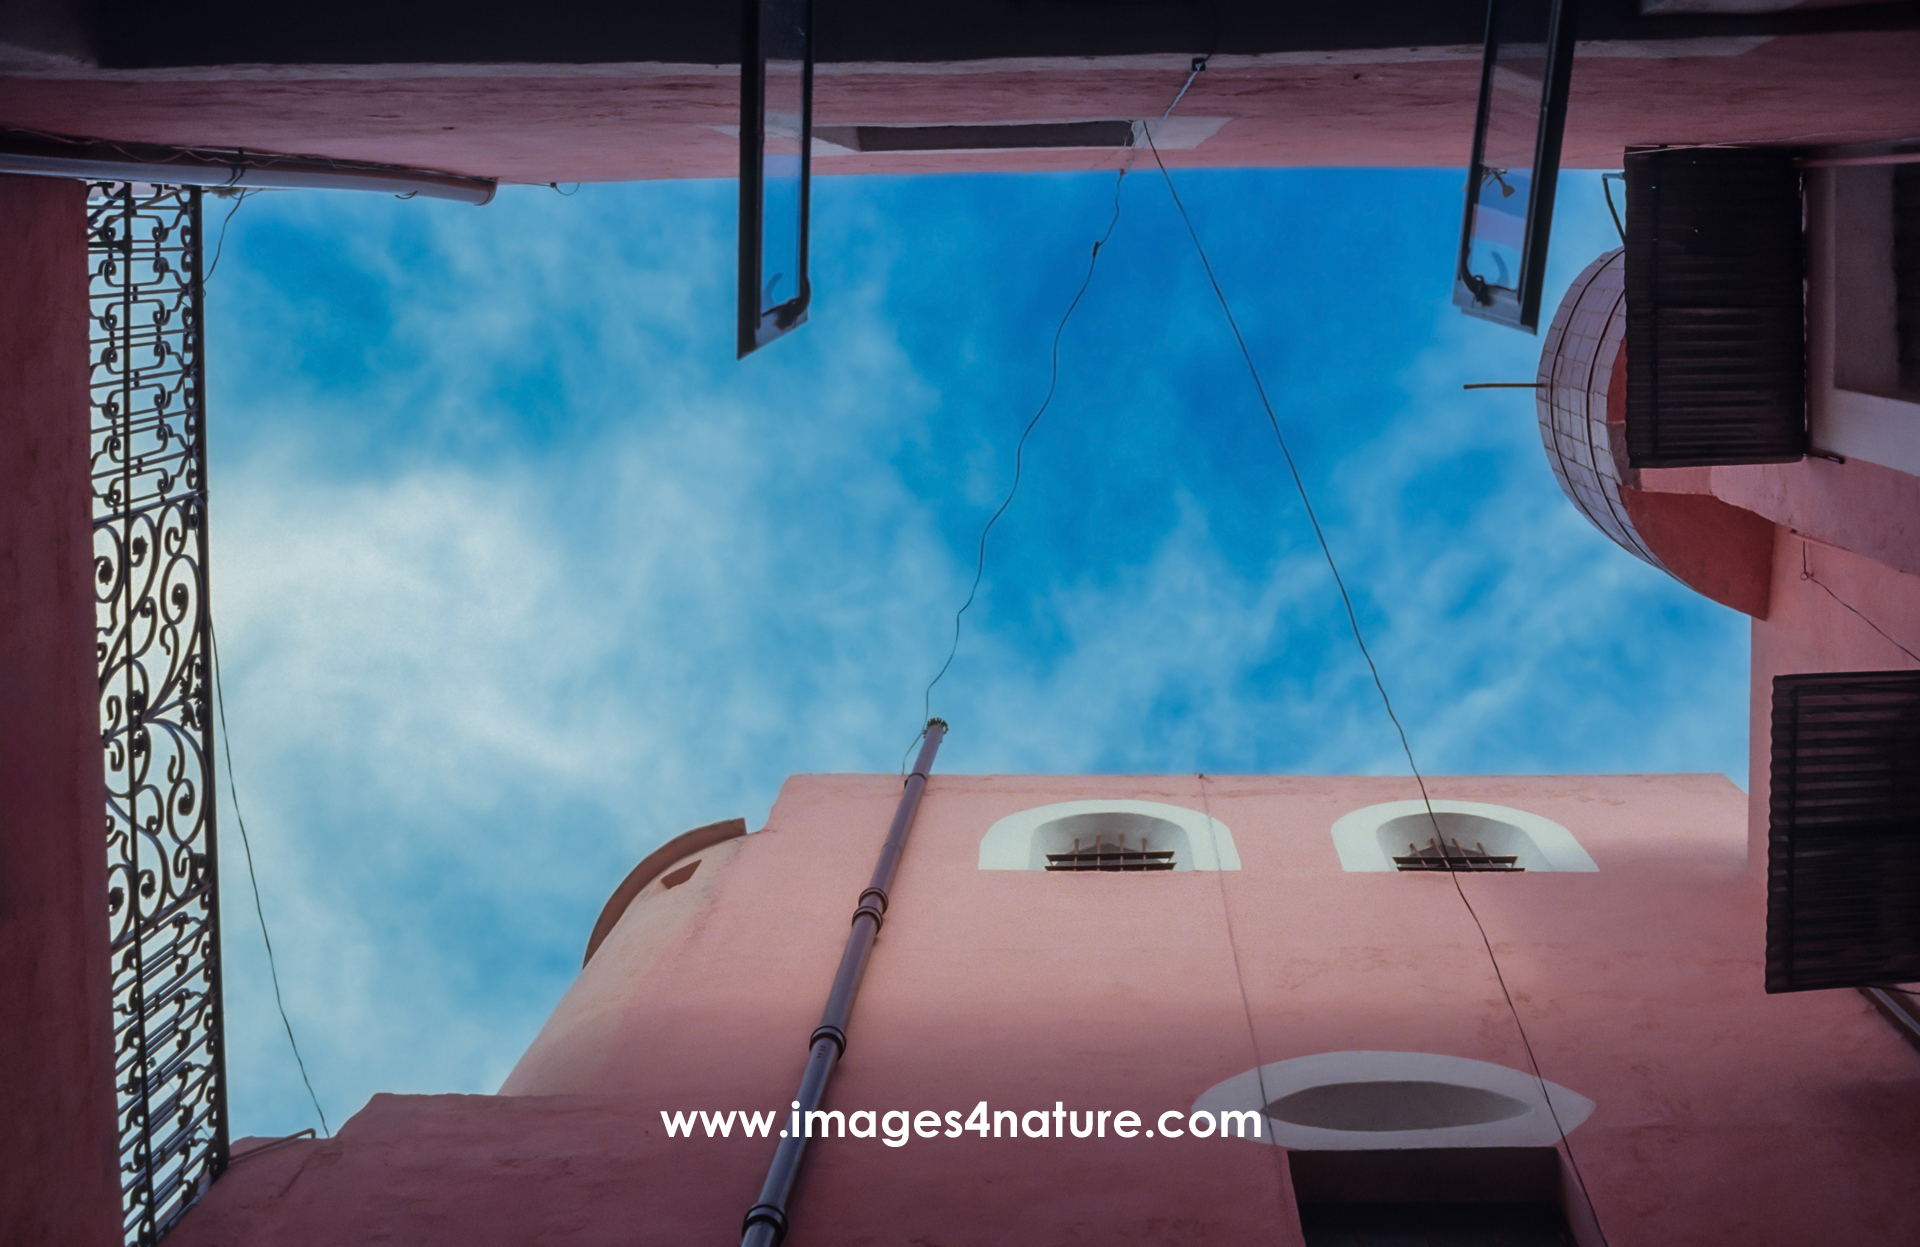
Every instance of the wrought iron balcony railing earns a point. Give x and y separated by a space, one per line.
150 558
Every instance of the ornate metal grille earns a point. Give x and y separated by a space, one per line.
1449 855
1100 855
150 556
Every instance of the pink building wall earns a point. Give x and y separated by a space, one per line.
59 1154
1367 107
1807 629
1722 1115
1760 538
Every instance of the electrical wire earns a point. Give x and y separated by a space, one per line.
268 1147
918 737
220 245
1353 621
1019 449
1246 1001
1293 468
226 742
1806 573
1053 382
1608 192
1206 802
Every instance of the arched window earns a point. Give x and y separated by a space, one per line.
1399 835
1119 836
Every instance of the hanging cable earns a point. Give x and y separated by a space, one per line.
1611 211
1246 1002
1293 469
226 743
1053 383
1353 621
239 197
1806 573
1019 449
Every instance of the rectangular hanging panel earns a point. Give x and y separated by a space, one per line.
1524 76
1843 841
1716 322
776 129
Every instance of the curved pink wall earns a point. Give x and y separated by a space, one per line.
1716 549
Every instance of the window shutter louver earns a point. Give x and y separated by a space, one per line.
1716 325
1843 853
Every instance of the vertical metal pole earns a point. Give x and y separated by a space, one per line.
196 255
766 1222
135 696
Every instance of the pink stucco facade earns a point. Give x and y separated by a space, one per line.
1808 629
1823 552
59 1161
1720 1114
1394 106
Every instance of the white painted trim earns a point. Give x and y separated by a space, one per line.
1177 133
1851 349
1356 836
1008 843
1256 1088
1873 427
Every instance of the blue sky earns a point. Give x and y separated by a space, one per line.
518 572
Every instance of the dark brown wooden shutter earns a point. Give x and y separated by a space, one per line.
1716 325
1843 851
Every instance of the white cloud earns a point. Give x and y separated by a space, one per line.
474 675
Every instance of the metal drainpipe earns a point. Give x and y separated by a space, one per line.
766 1222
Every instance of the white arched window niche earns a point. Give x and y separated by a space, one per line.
1371 838
1367 1101
1022 841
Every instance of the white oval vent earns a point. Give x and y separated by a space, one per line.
1378 1106
1365 1101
